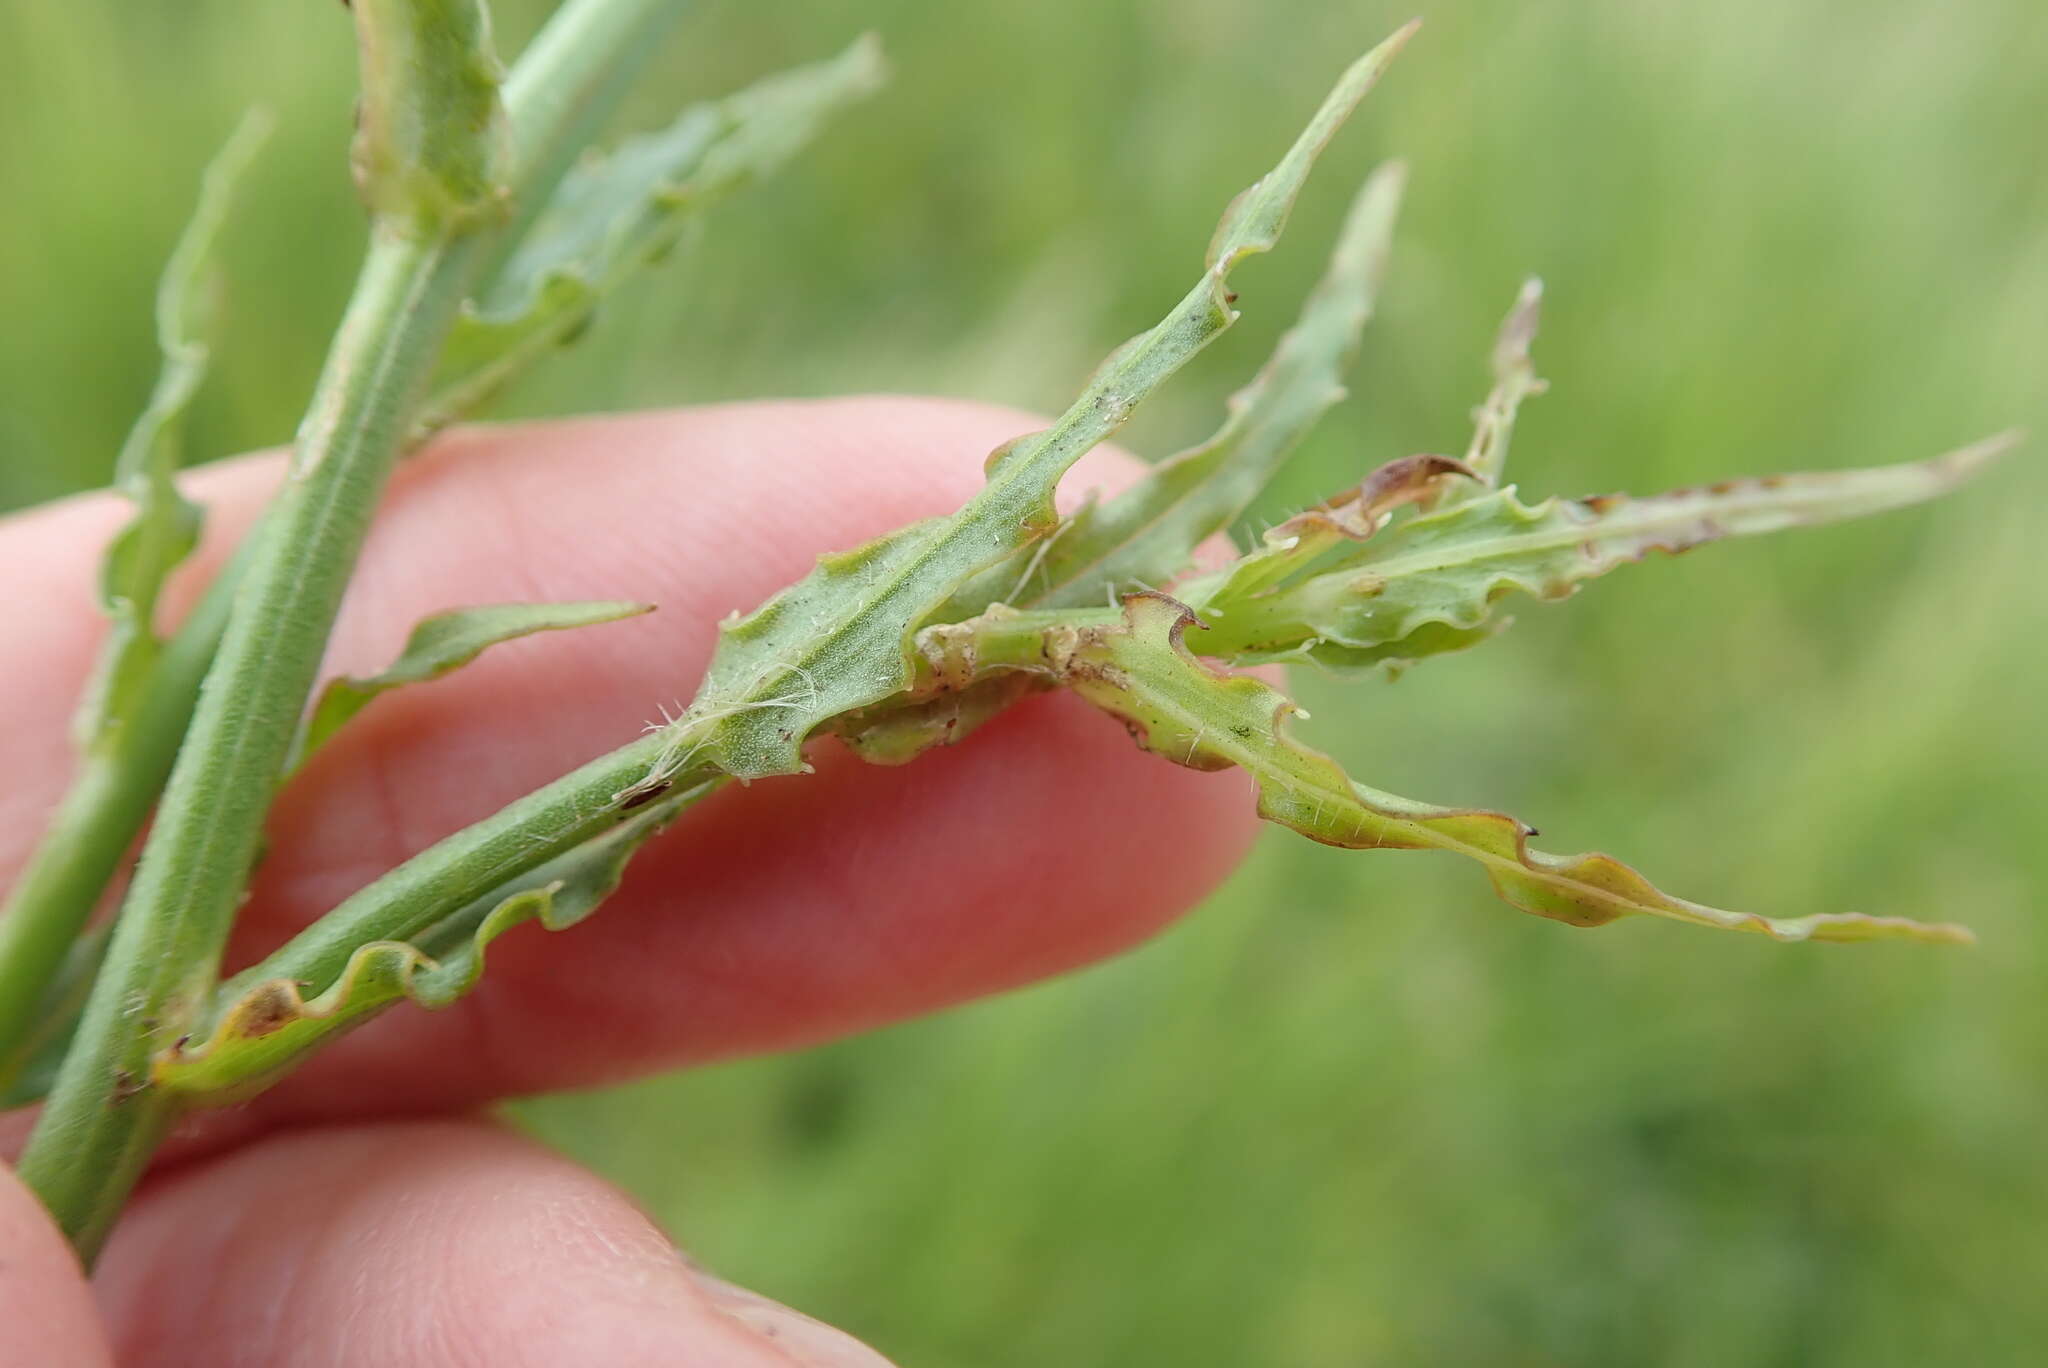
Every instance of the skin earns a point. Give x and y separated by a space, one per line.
363 1211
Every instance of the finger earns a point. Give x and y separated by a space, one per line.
425 1243
794 910
46 1310
703 510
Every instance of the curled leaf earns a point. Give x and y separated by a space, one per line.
839 640
897 731
1178 707
1442 573
1305 538
612 215
264 1027
165 525
442 644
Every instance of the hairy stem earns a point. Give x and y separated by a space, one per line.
443 879
96 822
50 904
564 86
102 1121
271 1025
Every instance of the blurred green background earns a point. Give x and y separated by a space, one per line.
1354 1111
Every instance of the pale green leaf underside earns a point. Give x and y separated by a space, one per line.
165 525
441 644
1182 709
1432 582
1339 584
1302 539
839 639
1307 537
612 215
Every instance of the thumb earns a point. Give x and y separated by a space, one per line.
420 1244
45 1305
809 1342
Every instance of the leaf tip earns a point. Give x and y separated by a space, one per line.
866 59
1391 174
1856 926
257 123
1518 330
1968 462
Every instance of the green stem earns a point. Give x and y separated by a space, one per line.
232 1062
444 878
39 1054
96 822
437 883
566 83
102 1120
55 896
441 880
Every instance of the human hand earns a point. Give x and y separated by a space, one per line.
361 1213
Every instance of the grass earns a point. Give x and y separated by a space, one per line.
1354 1111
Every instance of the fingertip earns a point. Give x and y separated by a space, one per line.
46 1305
806 1342
424 1243
783 914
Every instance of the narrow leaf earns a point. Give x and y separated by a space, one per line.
839 639
1306 538
611 216
1148 534
269 1025
1514 379
165 525
1180 708
442 644
1432 582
